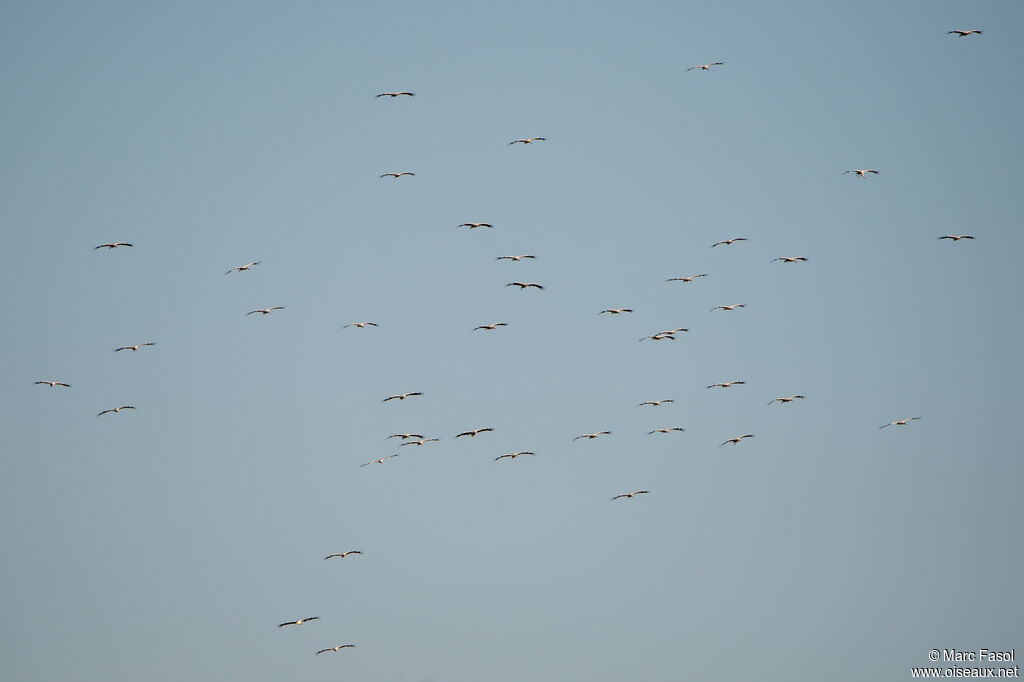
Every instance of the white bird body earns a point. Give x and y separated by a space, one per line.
473 226
378 461
516 259
705 67
111 245
729 242
655 403
725 384
473 432
396 175
790 259
340 646
421 441
616 311
115 410
688 278
860 172
300 621
51 384
899 422
960 32
956 237
492 326
342 555
360 325
786 399
524 285
527 140
266 311
396 94
667 429
592 436
134 348
242 268
737 439
732 307
401 396
630 496
512 455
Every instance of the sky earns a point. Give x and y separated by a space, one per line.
169 541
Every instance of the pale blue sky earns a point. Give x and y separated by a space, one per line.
166 543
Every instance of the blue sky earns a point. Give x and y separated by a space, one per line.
169 541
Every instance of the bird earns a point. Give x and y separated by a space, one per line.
116 409
527 140
421 441
655 403
592 436
51 384
688 278
671 332
300 621
666 430
340 646
401 396
378 461
491 326
956 237
396 94
705 67
786 399
728 242
660 336
396 175
342 555
111 245
473 432
242 268
134 348
788 259
860 172
404 436
361 325
265 311
737 439
524 285
515 259
734 306
473 226
630 495
899 422
964 32
512 455
616 311
725 384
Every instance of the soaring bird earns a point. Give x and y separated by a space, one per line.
396 94
135 347
361 325
473 226
473 432
964 32
688 278
492 326
242 268
342 555
705 67
592 436
400 396
630 495
299 621
616 311
396 175
656 402
729 242
51 384
527 140
404 436
666 430
111 245
265 311
115 409
515 259
789 259
737 439
734 306
378 461
786 399
421 441
899 422
512 455
956 237
342 646
860 172
524 285
660 336
671 332
725 384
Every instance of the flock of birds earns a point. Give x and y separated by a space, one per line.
419 440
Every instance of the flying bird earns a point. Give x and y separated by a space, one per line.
473 432
860 172
340 646
299 621
396 175
964 32
342 555
51 384
688 278
111 245
527 140
524 285
737 439
705 67
242 268
515 259
512 455
789 259
421 441
660 336
265 311
361 325
491 326
729 242
378 461
956 237
401 396
786 399
396 94
656 402
666 430
616 311
115 409
630 495
734 306
134 348
473 226
899 422
725 384
404 436
592 436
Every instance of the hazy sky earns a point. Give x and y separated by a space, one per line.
167 542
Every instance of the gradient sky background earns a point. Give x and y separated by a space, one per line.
167 543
